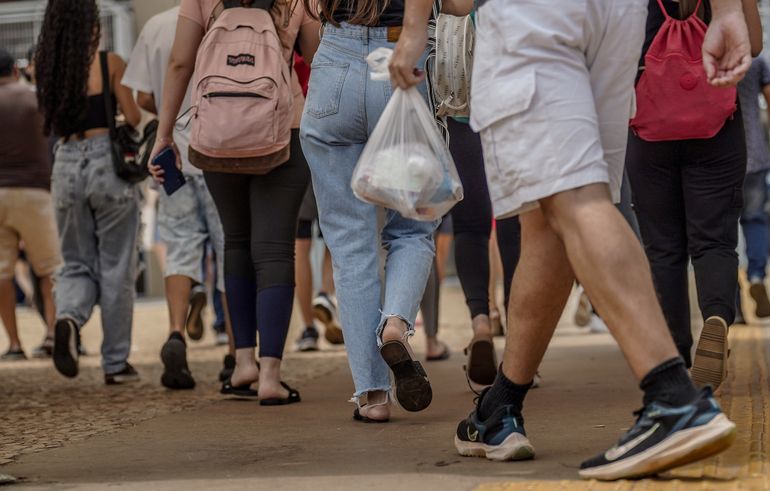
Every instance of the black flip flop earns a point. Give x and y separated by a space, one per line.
445 354
482 362
244 390
280 401
359 417
413 389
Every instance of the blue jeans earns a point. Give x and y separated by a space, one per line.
187 220
342 108
98 218
754 223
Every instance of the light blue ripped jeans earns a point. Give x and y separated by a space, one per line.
98 218
342 108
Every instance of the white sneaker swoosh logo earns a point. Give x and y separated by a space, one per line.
472 436
616 452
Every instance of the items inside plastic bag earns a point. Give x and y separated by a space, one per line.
406 165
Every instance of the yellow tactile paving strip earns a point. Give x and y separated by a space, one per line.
745 397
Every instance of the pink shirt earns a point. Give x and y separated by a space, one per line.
200 12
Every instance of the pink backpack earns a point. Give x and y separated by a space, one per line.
242 98
674 99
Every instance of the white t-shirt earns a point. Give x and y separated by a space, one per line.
146 72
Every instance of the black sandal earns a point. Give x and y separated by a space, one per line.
482 362
445 354
280 401
413 390
244 390
364 419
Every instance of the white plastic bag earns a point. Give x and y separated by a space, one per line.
406 165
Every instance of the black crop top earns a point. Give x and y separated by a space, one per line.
392 16
96 113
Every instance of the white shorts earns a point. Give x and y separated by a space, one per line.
552 94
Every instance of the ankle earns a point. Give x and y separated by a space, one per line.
481 325
395 329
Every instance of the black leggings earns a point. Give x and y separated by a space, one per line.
472 222
259 218
688 197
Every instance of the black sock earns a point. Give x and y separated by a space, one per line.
176 335
503 393
669 383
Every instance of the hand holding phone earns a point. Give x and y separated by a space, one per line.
173 179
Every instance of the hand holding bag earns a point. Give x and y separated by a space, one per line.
405 165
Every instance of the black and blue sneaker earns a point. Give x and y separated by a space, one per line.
500 437
665 437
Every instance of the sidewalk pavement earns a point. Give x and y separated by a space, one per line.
62 434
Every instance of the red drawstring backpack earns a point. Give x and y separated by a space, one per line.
674 101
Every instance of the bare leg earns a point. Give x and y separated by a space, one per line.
327 278
303 277
495 272
46 291
443 248
604 254
541 287
178 298
8 313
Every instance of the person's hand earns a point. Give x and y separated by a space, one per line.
726 48
409 49
161 144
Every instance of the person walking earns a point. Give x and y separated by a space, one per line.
96 211
258 211
187 220
754 220
26 209
688 199
552 108
378 316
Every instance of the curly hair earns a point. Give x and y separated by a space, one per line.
65 50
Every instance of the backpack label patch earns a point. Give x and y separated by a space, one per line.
241 59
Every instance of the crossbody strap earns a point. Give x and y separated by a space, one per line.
106 93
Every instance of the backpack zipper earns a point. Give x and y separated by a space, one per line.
233 94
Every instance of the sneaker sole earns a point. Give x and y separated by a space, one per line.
174 361
681 448
194 324
710 363
332 330
122 379
65 349
515 447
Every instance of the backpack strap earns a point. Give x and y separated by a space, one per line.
106 93
665 12
255 4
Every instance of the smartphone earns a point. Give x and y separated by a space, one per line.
173 179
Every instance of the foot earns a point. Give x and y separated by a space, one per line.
308 341
496 321
194 324
759 294
499 437
710 363
376 409
66 347
412 387
325 310
45 350
244 374
437 350
663 438
13 354
176 373
597 325
481 365
228 366
584 310
125 376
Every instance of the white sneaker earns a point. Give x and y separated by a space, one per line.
597 325
325 310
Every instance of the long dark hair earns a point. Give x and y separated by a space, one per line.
65 50
363 12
